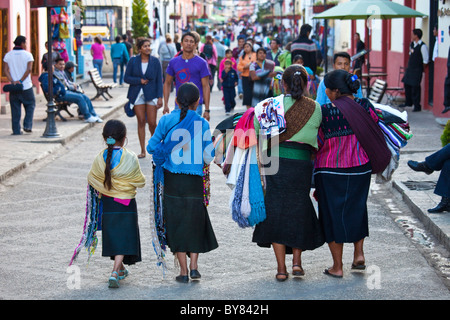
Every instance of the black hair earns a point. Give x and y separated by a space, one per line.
118 38
297 57
19 40
251 46
296 79
305 29
58 60
187 95
141 41
116 130
418 33
341 55
190 34
228 51
261 49
343 81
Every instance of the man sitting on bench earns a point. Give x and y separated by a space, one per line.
61 94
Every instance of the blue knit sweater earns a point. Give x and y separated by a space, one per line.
190 158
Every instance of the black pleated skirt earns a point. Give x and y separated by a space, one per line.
187 221
342 196
120 231
291 219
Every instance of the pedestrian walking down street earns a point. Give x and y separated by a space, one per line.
17 68
98 54
210 52
189 67
180 168
248 57
111 205
349 141
120 58
438 161
418 59
166 52
229 82
291 225
145 93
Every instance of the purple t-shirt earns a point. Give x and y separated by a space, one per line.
192 70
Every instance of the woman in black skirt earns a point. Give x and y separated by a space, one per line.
343 171
189 230
291 225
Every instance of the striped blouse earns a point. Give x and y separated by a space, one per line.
338 145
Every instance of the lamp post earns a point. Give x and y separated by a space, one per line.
50 125
281 11
165 4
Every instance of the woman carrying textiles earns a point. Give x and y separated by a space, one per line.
111 206
291 225
181 149
351 148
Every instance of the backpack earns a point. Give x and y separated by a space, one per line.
208 51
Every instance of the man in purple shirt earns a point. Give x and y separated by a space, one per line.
188 67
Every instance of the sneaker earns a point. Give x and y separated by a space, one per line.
99 120
91 119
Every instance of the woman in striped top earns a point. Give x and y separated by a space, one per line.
342 174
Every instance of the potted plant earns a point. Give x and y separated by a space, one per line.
174 16
319 6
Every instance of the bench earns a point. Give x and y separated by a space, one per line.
377 91
101 87
60 106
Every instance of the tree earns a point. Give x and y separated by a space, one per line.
139 19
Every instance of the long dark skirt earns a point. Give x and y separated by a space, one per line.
120 231
342 196
291 218
247 88
187 221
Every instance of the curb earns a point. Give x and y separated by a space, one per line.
59 142
428 221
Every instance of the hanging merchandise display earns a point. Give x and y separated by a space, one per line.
60 31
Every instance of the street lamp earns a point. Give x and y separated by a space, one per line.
50 125
165 4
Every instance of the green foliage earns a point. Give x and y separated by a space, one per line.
139 19
445 138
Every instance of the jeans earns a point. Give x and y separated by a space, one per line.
16 100
118 63
98 64
83 102
440 161
229 94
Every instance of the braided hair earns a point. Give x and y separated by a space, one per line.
343 81
296 78
114 131
187 95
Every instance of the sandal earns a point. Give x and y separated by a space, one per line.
141 156
125 274
113 282
285 275
300 272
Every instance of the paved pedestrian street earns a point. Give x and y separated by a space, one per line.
42 213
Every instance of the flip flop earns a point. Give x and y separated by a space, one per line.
286 275
359 266
141 156
300 272
331 275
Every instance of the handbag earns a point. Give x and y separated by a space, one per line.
54 19
14 88
59 44
64 31
129 112
63 16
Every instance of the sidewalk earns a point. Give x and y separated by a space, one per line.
18 152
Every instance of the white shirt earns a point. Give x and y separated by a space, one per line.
436 49
17 61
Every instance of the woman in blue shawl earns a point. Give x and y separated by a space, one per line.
182 149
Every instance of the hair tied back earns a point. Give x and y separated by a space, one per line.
110 141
